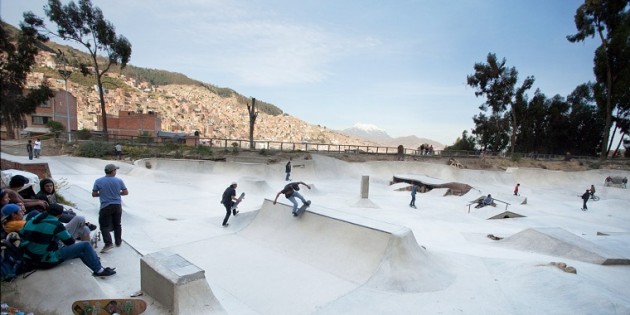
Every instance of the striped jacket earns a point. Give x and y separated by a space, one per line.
40 240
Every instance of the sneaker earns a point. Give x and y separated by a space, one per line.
235 212
105 273
118 244
295 214
107 247
91 226
226 225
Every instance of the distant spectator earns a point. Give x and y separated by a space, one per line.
516 189
118 151
29 149
37 148
624 181
288 170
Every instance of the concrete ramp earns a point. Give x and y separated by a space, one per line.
357 249
559 242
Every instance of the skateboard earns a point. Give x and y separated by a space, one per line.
302 208
240 198
109 306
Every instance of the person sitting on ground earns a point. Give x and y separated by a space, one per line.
47 193
13 217
15 197
485 202
290 192
41 239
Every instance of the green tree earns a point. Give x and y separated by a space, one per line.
465 143
497 83
16 61
609 21
87 26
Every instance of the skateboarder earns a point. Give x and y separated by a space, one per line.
228 199
414 189
288 170
585 197
290 192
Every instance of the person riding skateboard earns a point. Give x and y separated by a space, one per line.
585 197
290 192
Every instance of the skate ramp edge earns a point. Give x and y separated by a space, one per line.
559 242
364 251
177 284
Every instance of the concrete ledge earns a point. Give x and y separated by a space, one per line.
177 284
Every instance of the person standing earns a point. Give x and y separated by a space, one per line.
290 192
118 151
29 149
288 170
516 189
37 148
228 200
109 189
593 191
585 197
41 239
414 189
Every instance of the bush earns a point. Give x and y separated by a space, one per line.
84 134
94 149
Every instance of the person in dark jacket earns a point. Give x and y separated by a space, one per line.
288 170
228 199
290 192
47 193
41 238
585 197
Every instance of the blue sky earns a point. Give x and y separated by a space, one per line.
398 65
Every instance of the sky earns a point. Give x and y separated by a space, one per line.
398 65
354 255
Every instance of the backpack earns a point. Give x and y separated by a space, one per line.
11 262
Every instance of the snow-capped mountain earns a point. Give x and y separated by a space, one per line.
378 135
368 132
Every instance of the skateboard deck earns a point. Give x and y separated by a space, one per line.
109 306
303 208
240 198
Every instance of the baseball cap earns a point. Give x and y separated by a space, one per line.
8 210
234 183
110 168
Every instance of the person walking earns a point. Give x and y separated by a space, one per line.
516 189
288 170
414 189
228 200
585 197
42 238
593 191
118 151
29 149
290 192
37 148
109 189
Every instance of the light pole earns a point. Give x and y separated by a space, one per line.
65 74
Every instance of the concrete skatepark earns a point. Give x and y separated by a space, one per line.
347 254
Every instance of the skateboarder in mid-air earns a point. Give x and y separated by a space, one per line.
290 192
228 200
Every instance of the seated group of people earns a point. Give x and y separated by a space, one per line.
39 220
